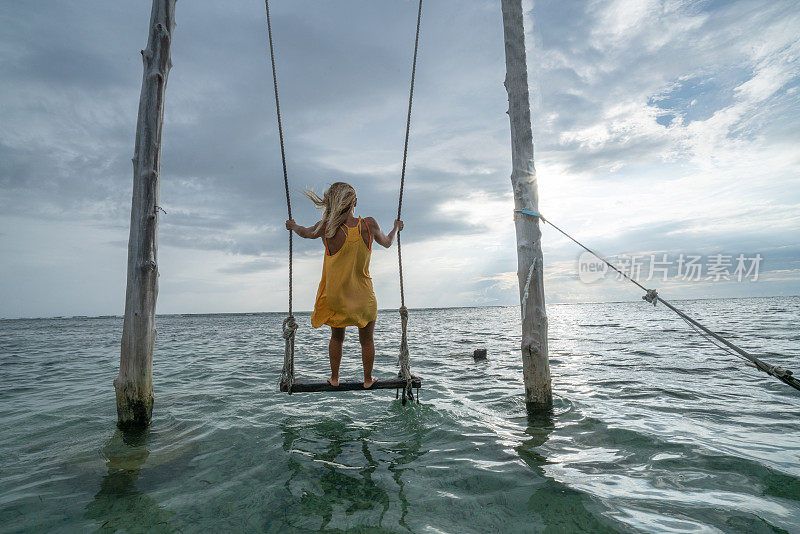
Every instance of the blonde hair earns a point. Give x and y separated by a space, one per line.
335 204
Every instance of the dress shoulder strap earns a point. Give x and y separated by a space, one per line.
369 235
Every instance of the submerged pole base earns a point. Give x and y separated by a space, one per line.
539 403
134 407
535 408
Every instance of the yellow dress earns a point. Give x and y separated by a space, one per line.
345 296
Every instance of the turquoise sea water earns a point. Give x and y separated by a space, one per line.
653 430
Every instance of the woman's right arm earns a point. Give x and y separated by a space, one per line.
381 238
311 232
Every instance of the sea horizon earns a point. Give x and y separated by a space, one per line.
421 308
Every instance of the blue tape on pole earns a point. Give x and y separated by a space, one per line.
528 212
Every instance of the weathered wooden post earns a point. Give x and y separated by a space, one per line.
535 364
134 384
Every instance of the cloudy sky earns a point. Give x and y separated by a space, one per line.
660 127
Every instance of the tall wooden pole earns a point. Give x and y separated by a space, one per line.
134 384
535 364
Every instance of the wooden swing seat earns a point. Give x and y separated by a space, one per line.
318 386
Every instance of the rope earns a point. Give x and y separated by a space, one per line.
405 364
289 327
784 375
287 374
587 249
652 296
403 358
290 324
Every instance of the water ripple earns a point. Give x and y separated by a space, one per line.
651 429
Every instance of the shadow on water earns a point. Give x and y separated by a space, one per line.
120 505
562 509
344 474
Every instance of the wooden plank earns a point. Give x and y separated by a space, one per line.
318 386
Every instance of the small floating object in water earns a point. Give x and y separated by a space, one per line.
479 354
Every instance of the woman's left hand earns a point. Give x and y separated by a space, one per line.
398 225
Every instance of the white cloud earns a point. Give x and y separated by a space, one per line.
659 125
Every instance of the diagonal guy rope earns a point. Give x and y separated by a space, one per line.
651 296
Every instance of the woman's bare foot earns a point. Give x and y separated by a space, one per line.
368 382
333 381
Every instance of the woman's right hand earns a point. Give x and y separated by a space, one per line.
291 225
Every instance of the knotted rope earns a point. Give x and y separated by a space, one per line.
287 374
289 324
405 363
403 358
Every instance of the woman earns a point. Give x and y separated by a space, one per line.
345 296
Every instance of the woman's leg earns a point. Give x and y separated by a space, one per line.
367 351
335 353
